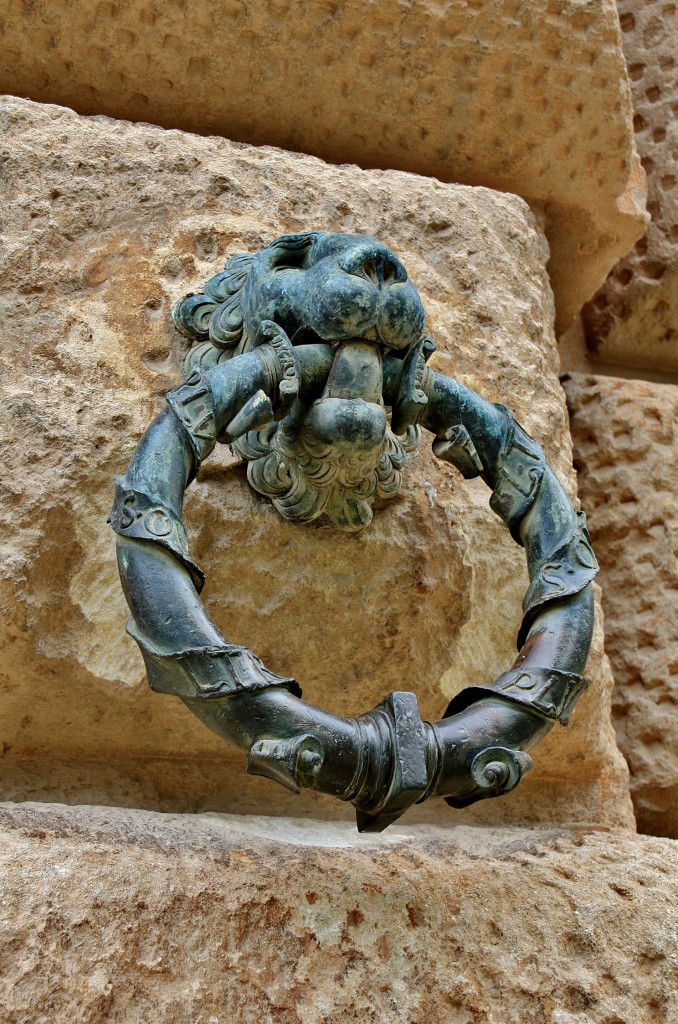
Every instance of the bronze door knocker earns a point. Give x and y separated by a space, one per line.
310 359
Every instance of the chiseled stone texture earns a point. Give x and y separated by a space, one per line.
107 224
116 915
625 437
633 320
530 98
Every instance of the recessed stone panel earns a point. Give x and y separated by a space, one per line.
625 435
106 225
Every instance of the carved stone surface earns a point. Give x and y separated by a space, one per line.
121 915
633 320
109 225
625 436
530 98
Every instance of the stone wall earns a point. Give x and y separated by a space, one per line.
625 433
108 225
530 98
625 436
633 320
126 915
553 912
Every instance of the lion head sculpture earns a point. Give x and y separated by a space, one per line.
333 457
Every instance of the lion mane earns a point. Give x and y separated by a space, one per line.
213 319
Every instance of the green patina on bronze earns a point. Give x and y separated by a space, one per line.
310 359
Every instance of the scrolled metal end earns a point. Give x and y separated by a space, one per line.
500 768
495 771
309 764
294 763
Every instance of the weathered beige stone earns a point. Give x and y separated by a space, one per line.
107 224
625 437
530 98
125 915
633 320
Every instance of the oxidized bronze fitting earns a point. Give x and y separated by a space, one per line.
310 359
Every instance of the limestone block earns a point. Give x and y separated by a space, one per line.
530 98
633 320
625 437
107 224
121 915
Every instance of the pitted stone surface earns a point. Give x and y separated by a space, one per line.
107 225
123 915
530 98
625 437
633 320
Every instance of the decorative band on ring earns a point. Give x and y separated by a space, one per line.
138 516
547 691
207 672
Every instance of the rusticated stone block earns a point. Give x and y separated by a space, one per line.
120 915
633 320
530 98
107 225
625 436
